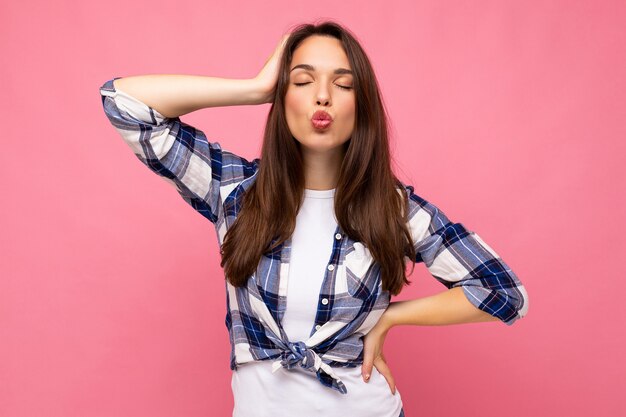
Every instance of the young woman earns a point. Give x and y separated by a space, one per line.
315 235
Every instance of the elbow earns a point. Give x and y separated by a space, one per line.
507 305
518 305
523 301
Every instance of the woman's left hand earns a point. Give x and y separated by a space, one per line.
373 354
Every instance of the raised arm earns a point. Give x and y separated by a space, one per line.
146 110
174 95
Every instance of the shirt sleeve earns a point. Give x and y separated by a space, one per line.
458 257
201 171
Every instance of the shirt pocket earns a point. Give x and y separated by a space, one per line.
361 271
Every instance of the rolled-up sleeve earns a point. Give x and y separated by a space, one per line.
458 257
201 170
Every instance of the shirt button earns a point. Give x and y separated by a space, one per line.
324 301
338 236
331 267
317 327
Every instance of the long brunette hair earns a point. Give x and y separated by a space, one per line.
370 202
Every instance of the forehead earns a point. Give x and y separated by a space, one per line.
323 52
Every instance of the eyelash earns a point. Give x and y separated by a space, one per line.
340 86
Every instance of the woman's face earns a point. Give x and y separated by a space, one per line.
321 66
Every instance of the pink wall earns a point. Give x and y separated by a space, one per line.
508 115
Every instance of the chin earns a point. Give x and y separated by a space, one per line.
319 141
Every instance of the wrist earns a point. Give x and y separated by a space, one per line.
387 321
263 92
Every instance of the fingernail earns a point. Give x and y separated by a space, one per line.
367 376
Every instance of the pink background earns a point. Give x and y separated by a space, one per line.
510 116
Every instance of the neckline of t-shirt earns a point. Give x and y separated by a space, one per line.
309 193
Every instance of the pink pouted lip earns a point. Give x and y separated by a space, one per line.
320 124
321 115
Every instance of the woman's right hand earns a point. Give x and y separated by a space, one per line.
267 78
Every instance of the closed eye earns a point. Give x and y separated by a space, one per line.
340 86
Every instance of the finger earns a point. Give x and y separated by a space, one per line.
383 368
282 43
366 367
368 362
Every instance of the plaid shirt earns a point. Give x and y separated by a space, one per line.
213 180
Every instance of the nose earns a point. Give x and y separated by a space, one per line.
323 97
323 101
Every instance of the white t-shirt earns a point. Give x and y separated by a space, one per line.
260 393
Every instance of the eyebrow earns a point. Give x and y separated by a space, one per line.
312 68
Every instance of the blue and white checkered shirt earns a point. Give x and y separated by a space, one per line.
351 300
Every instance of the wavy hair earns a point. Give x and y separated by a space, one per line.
370 202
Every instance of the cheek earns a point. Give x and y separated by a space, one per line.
348 110
293 111
293 103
